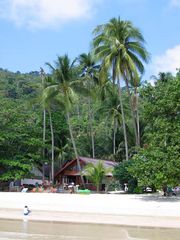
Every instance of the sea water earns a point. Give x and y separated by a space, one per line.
35 230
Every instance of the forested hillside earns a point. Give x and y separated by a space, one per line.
94 106
21 129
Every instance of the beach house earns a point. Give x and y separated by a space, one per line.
69 172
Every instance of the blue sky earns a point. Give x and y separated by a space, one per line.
36 31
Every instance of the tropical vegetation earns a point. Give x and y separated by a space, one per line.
95 106
96 173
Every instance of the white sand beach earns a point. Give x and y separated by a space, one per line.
146 210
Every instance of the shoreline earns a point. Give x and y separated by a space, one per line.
150 211
100 219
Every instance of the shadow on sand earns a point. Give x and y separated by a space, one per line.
159 198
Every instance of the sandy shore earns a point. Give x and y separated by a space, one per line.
121 209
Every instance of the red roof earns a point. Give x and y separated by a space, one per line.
86 160
106 163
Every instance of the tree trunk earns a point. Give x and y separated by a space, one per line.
114 136
138 128
44 140
98 188
132 112
44 125
52 147
91 127
137 116
74 147
123 121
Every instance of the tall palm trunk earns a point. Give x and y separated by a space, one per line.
114 136
52 147
98 188
132 112
91 127
74 147
44 140
137 116
44 125
123 120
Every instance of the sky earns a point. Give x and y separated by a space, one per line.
34 32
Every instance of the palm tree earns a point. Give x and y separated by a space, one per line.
135 84
111 109
162 76
90 75
96 173
47 103
44 118
63 91
120 46
102 50
52 145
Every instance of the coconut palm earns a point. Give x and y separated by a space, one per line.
47 101
52 145
114 113
63 91
120 46
90 75
44 118
96 173
111 109
135 84
162 76
102 50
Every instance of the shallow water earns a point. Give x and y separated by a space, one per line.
31 230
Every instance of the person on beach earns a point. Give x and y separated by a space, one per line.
71 187
26 210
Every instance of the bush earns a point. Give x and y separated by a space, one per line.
138 190
123 176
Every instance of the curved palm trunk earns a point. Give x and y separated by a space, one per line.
132 112
137 116
74 147
52 147
123 121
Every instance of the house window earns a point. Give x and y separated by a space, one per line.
73 168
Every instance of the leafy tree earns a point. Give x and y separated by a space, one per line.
20 140
122 174
158 162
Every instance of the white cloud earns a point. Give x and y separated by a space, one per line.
45 13
175 3
167 62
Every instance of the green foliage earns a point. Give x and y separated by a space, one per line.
20 139
153 167
95 173
87 99
158 163
122 174
14 169
120 45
